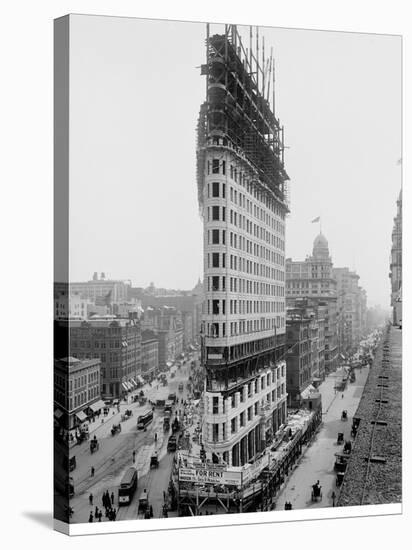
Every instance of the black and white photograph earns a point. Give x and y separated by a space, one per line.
227 302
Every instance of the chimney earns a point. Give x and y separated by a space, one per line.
102 276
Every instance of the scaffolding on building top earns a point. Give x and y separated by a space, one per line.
239 111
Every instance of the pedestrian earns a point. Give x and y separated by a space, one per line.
100 515
333 498
151 511
91 517
92 471
108 499
91 499
96 512
112 498
342 395
104 500
164 496
155 437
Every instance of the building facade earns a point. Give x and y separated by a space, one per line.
150 353
76 390
313 279
117 343
101 288
242 198
71 306
395 274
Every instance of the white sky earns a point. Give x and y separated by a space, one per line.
136 90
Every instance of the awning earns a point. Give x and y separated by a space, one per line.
140 379
81 416
58 413
124 386
342 356
308 391
133 381
98 405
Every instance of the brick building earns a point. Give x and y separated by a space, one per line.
76 390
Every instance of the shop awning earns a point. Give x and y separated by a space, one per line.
308 391
133 381
342 356
81 416
169 364
124 386
98 405
140 379
58 413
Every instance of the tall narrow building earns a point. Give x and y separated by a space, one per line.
242 198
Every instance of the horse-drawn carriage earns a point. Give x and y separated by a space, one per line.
127 414
344 415
143 505
347 448
116 428
339 478
154 461
94 445
339 440
341 462
316 492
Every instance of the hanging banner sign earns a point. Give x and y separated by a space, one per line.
211 476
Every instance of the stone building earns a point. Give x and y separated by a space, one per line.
243 202
313 279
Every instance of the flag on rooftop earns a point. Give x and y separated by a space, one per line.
316 220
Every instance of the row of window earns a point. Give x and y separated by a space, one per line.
218 166
244 417
218 213
248 390
237 328
218 236
238 263
84 397
218 190
218 307
217 283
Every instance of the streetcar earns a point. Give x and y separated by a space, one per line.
128 486
144 420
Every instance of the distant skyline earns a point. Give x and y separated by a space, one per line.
135 95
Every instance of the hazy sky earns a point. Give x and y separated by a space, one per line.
136 90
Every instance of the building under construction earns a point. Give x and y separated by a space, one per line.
243 201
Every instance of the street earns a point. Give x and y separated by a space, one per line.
115 454
318 460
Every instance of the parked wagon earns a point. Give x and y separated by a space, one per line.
340 438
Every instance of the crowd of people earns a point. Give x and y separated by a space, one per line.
108 505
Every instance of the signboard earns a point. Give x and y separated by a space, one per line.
212 476
215 356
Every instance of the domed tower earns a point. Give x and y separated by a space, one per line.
321 248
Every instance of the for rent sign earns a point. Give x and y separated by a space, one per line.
211 476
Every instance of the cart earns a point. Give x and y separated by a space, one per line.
154 461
